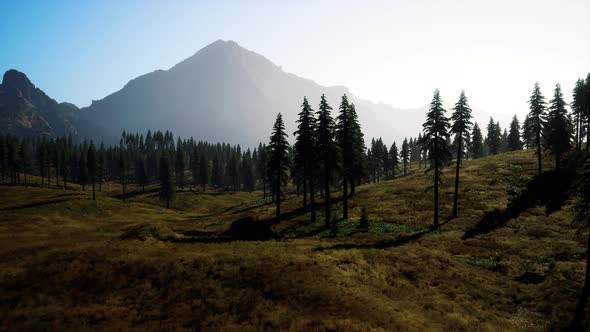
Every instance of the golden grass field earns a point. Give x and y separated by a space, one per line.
66 265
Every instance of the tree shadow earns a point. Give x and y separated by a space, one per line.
550 189
383 244
135 193
36 204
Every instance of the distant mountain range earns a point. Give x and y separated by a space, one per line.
221 93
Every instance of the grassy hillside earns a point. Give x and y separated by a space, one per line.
123 262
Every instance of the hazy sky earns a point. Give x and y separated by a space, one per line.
397 52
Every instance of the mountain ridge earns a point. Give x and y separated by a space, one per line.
246 86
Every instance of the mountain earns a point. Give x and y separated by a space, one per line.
225 92
26 110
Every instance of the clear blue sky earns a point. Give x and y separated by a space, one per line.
392 51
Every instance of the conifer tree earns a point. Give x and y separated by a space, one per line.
101 165
434 139
180 163
91 165
394 157
25 159
537 116
461 118
167 189
194 165
405 155
493 140
65 167
514 142
305 159
528 136
328 151
3 154
203 171
558 127
278 152
122 163
578 110
345 141
358 142
141 172
82 169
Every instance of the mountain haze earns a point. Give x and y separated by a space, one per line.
227 93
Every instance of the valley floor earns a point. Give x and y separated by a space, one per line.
124 263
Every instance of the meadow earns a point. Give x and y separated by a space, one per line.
123 262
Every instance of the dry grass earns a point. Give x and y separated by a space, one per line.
67 262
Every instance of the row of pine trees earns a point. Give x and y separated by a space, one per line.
329 153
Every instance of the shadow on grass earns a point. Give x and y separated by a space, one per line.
384 244
135 193
551 189
36 204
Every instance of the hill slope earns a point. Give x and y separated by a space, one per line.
67 262
227 93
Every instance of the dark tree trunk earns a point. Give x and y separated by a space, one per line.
327 197
436 179
456 198
312 200
278 199
304 194
93 189
345 199
167 202
539 152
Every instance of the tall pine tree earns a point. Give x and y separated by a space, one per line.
537 116
305 159
461 125
558 129
278 152
514 142
435 141
328 151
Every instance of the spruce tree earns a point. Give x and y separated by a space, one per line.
493 139
141 178
65 166
203 171
514 142
345 141
101 165
180 164
195 167
461 118
25 159
82 169
358 142
305 159
278 152
394 157
328 151
558 127
167 189
537 116
528 136
91 165
435 140
578 111
405 155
